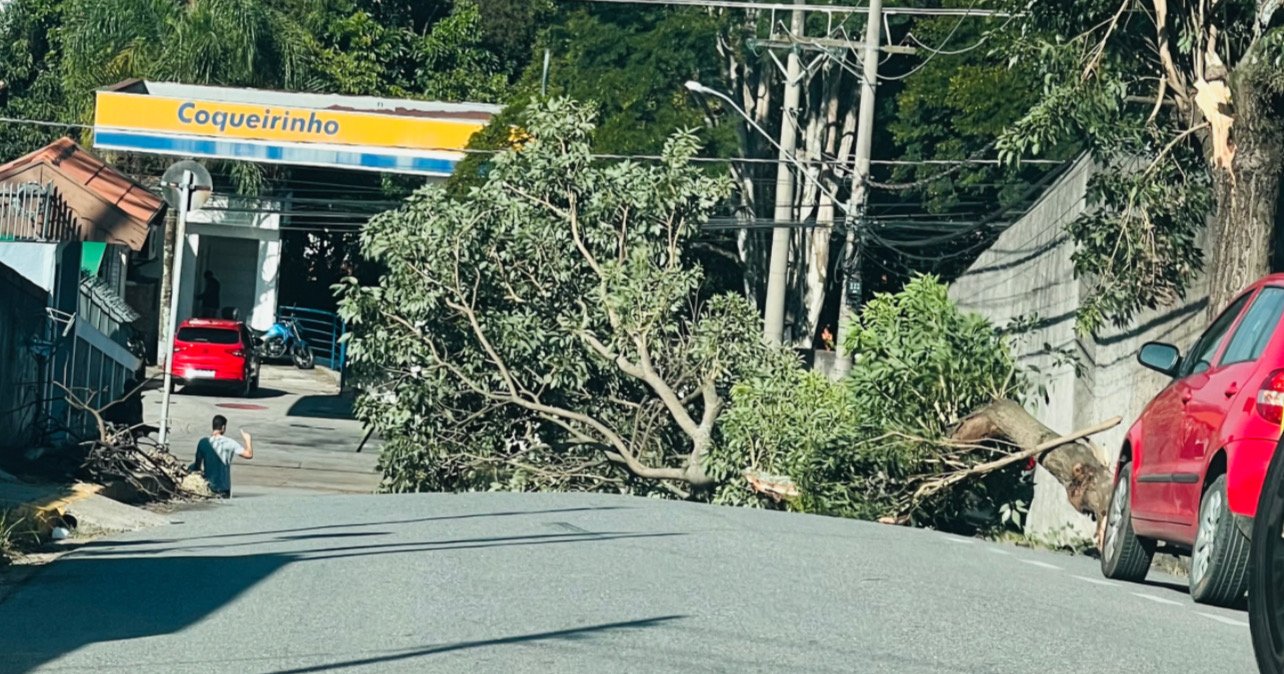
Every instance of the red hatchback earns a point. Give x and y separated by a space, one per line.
216 351
1191 468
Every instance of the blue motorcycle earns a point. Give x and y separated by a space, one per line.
284 339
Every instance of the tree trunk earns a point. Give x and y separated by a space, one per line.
1087 480
1243 232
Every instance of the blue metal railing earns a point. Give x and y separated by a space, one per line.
322 331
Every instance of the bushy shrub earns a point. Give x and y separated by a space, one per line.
853 447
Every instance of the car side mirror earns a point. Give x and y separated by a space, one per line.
1160 357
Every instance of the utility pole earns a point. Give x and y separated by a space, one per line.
851 292
773 326
185 188
168 248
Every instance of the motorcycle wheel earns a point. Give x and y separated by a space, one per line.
303 358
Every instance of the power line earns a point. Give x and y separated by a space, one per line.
41 122
826 9
620 157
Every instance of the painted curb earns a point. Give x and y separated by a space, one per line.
43 514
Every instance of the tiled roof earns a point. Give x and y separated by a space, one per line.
95 175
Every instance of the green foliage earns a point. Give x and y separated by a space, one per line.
954 106
30 43
630 62
1109 87
537 330
919 363
56 53
633 63
854 448
229 42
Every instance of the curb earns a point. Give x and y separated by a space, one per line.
44 514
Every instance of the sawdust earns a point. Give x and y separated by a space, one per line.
195 485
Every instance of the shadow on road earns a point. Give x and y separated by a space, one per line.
220 391
322 407
126 593
390 548
1182 588
575 633
351 525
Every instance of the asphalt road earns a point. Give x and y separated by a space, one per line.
305 439
577 583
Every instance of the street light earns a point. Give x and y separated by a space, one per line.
774 312
696 87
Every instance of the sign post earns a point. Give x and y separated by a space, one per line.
180 194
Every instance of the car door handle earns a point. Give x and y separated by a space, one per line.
1232 390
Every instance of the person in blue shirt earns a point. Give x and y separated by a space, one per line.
214 456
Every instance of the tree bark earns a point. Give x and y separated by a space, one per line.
1087 480
1246 194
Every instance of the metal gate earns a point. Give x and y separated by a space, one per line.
322 331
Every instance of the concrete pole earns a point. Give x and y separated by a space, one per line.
851 289
176 276
773 326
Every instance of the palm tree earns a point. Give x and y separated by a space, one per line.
249 43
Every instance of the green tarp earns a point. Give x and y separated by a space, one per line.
91 256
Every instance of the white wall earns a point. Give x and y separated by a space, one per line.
1028 272
37 262
242 271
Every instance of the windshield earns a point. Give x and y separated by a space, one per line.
208 335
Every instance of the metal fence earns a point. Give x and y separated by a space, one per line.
34 212
322 331
23 376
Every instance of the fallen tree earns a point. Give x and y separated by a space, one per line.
123 454
930 429
1071 459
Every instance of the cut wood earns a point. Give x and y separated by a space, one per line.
1069 458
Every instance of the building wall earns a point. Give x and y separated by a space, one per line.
218 240
1028 273
34 261
37 350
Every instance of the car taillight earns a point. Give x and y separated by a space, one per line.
239 353
1270 397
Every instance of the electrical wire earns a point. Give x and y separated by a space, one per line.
607 156
829 9
42 122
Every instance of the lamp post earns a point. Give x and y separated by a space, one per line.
774 312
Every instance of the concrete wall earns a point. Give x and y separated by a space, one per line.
1028 273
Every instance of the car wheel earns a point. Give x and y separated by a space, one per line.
1126 555
1266 571
247 387
1219 561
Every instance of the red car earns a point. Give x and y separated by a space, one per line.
1191 468
216 351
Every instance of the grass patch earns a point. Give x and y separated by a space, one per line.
1069 542
16 535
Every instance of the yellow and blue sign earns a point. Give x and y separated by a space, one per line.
344 132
